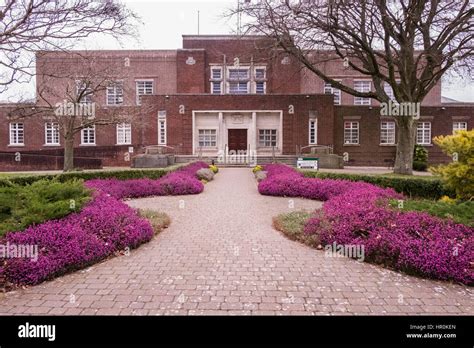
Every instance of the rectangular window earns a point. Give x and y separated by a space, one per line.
144 87
84 92
115 93
362 86
17 134
457 126
207 137
88 136
387 133
260 73
239 74
423 133
388 91
216 73
51 133
260 87
313 131
124 134
216 87
351 132
238 87
328 89
161 130
267 137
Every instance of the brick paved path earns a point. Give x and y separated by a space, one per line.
221 256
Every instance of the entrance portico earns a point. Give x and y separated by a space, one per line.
222 131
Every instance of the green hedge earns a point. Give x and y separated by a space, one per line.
410 186
117 174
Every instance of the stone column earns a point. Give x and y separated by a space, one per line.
220 131
253 132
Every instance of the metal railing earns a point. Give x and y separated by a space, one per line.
326 149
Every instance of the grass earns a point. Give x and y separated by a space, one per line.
158 220
460 212
292 226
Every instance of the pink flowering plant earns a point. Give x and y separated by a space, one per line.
102 228
357 213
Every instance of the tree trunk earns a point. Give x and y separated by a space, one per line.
405 145
68 153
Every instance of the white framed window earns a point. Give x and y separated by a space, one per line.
388 91
260 73
457 126
238 74
17 133
115 93
238 87
216 73
216 87
329 89
351 132
143 87
51 133
387 132
85 91
362 86
260 87
313 131
124 134
88 135
259 77
207 137
423 133
162 135
267 137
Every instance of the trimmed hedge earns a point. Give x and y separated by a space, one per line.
413 187
115 174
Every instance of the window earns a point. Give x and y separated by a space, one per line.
84 91
260 73
17 134
115 93
387 133
238 87
362 86
88 136
216 73
238 74
144 87
267 137
238 80
388 91
216 87
457 126
207 137
423 133
124 134
351 132
260 87
328 89
51 133
313 131
161 130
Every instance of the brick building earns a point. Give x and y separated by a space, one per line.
225 93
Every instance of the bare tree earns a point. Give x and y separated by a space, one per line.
27 26
71 92
407 44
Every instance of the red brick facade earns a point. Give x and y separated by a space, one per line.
182 83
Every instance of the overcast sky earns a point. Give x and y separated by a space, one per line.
165 21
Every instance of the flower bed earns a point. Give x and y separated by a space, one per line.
180 182
357 213
103 227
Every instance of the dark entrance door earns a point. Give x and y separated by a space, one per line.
237 139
